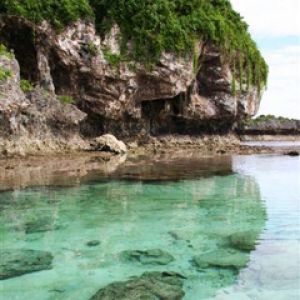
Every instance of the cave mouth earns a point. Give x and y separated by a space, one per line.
165 116
20 38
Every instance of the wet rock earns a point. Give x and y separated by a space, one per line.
222 258
292 153
41 225
15 263
150 286
110 143
148 257
245 241
94 243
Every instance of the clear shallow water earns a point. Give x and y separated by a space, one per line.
186 218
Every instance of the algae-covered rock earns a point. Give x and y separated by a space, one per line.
222 258
15 263
244 240
150 286
40 225
93 243
148 257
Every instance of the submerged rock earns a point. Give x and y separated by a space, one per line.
148 257
222 258
244 240
110 143
150 286
94 243
15 263
41 225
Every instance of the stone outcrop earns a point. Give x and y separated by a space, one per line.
124 98
150 285
15 263
270 126
35 121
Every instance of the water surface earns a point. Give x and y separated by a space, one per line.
188 211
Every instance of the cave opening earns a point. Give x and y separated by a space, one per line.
61 76
20 38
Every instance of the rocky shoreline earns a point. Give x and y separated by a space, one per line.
75 167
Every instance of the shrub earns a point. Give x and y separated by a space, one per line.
4 74
93 49
5 52
26 86
65 99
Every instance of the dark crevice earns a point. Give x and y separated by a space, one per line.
20 38
60 75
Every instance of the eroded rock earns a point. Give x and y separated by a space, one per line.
15 263
148 257
150 286
110 143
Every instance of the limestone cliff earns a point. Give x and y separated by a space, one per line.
175 95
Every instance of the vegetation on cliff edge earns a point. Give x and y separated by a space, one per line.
155 26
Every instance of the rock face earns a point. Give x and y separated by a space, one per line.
150 285
15 263
34 121
125 99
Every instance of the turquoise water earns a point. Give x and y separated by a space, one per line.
187 218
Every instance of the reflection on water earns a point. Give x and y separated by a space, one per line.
281 144
209 229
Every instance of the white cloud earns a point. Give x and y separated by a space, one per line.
276 20
283 94
270 18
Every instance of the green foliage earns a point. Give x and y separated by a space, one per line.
266 118
113 59
5 52
4 74
57 12
65 99
26 86
155 26
174 25
93 49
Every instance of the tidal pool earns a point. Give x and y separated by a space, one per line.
209 233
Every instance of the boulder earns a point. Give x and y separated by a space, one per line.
148 257
245 241
15 263
150 286
110 143
221 258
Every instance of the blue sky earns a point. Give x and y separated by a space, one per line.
275 26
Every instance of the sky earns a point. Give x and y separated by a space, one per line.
275 26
